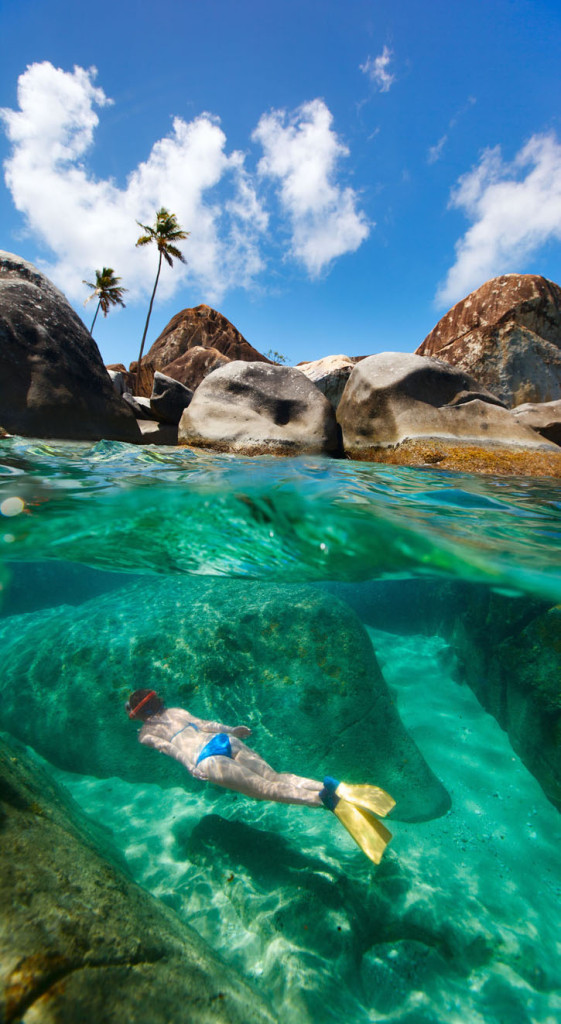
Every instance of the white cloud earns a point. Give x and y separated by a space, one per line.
88 222
301 154
377 70
435 152
515 208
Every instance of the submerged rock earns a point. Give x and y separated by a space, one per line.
200 326
507 334
257 409
293 663
78 939
52 379
412 410
510 650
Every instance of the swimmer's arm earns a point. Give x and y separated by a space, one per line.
241 731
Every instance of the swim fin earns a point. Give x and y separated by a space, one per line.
354 813
371 798
366 830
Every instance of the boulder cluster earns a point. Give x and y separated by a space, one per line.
482 393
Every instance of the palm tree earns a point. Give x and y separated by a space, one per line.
165 232
107 290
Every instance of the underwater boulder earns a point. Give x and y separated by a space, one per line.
293 663
78 939
511 654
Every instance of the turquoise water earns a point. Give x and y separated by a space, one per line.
352 615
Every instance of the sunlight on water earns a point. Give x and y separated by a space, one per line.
354 616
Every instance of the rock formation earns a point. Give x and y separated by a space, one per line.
544 418
259 409
330 375
78 939
413 410
200 326
294 663
169 398
52 379
194 365
507 335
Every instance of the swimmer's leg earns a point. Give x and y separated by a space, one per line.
232 773
253 762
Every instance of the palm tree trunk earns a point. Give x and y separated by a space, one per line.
95 317
148 318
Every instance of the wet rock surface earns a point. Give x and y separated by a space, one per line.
200 326
507 334
257 409
292 663
78 939
52 379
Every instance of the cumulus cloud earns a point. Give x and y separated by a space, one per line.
88 222
301 153
377 70
515 208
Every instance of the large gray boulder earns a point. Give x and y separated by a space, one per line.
259 409
79 941
294 664
330 375
507 334
52 379
413 410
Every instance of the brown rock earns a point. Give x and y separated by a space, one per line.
52 379
259 409
507 334
412 410
200 326
544 417
194 365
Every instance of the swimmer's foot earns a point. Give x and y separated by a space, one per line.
366 830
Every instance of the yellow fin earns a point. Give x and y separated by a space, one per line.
370 797
367 831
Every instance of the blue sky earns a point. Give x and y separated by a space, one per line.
347 171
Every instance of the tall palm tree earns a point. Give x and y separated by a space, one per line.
165 232
107 290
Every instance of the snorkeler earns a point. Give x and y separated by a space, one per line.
224 760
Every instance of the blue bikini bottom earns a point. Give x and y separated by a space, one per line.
219 744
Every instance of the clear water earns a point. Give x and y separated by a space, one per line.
236 587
